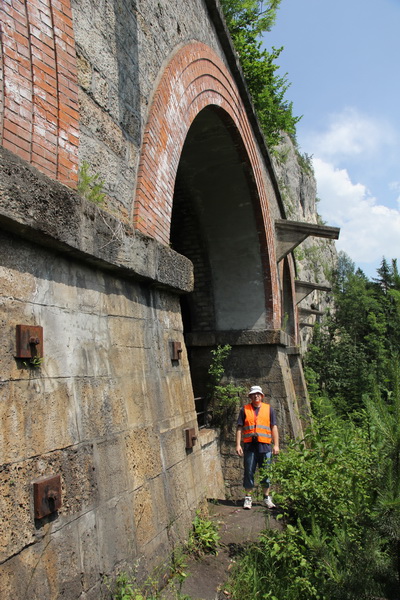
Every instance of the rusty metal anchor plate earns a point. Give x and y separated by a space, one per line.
46 495
29 340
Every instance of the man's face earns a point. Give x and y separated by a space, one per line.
256 399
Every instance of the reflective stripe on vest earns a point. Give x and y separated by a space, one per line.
259 426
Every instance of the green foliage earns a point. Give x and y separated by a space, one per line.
305 162
90 186
276 568
216 368
246 21
222 399
384 412
330 547
126 587
204 537
358 341
35 362
328 477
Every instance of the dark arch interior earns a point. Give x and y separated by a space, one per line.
214 224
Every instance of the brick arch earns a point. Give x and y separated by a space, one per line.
194 79
39 95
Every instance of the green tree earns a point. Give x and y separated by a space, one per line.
360 339
247 20
384 414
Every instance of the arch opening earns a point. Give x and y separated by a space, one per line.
217 223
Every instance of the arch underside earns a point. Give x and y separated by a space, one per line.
199 149
214 224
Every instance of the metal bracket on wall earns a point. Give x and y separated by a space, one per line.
29 340
46 495
176 350
191 437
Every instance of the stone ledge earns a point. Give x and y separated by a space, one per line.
48 213
238 338
208 436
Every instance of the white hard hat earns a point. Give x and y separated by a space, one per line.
255 389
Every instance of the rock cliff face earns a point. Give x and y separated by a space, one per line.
315 258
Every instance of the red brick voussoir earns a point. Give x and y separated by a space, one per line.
39 112
194 79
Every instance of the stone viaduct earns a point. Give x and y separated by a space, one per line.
108 314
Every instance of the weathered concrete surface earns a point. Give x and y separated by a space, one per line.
98 413
48 213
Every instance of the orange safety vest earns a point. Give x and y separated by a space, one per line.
260 425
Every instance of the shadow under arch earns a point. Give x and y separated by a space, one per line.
288 295
217 223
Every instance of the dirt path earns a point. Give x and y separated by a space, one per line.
237 528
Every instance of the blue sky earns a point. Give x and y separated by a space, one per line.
342 58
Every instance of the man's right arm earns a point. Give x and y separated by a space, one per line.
239 449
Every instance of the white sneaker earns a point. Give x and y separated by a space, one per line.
268 502
247 502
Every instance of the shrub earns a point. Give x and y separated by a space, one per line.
204 537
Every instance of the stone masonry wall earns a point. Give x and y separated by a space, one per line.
108 408
122 47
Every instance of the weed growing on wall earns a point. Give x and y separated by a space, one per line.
223 399
126 587
90 186
34 363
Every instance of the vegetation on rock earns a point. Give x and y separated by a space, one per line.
222 400
247 20
90 186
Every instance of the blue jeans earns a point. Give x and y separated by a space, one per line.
252 460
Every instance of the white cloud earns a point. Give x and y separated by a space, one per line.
369 230
370 147
351 134
395 186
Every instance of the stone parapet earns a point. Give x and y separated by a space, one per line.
42 210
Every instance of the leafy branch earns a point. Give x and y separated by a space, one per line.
247 20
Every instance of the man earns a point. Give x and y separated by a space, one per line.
257 424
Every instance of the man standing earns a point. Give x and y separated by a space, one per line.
257 424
